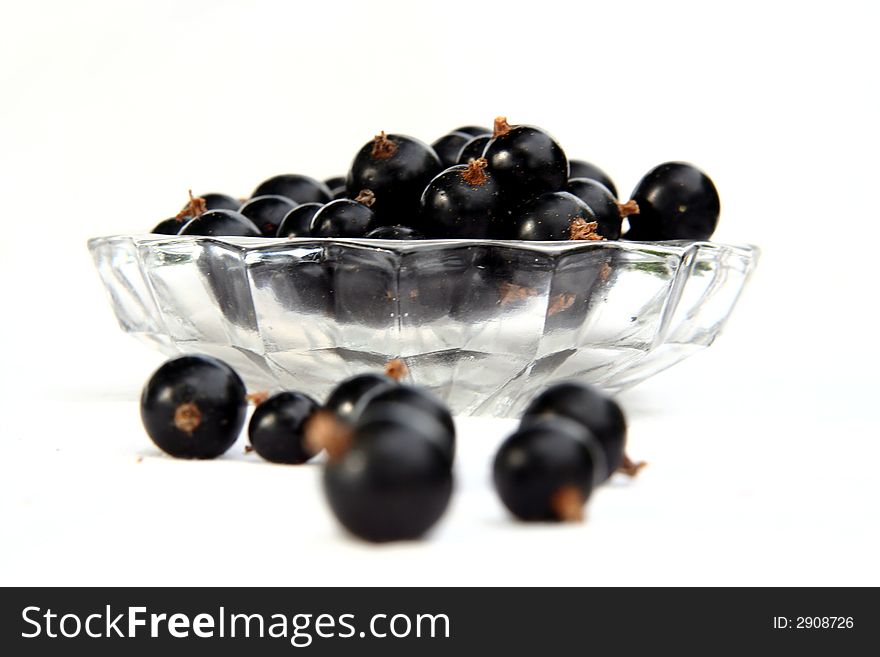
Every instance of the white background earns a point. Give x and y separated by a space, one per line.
763 449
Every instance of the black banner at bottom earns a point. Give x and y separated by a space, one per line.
508 621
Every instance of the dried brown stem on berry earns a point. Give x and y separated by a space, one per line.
324 431
501 126
383 147
193 208
580 229
366 197
475 175
257 398
248 449
396 369
629 467
568 504
187 417
628 208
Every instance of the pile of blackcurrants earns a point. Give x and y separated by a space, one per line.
510 183
390 447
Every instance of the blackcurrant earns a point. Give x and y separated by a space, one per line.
473 149
581 169
345 399
345 218
277 427
221 223
193 407
461 202
586 405
547 470
298 188
170 226
419 421
526 160
390 485
335 182
396 168
449 146
410 398
676 201
553 216
394 233
473 130
214 201
608 212
267 212
297 222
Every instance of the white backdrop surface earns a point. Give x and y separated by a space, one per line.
762 449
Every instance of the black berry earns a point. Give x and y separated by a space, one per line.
217 223
547 470
553 216
586 405
390 485
525 160
277 427
396 168
193 407
345 218
267 212
449 146
300 189
473 149
676 201
297 222
607 211
461 202
214 201
581 169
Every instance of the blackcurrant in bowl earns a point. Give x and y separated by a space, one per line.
226 223
449 146
582 169
462 202
267 212
296 187
298 221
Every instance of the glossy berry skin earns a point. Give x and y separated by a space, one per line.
396 168
394 233
277 427
581 169
473 149
549 217
602 202
403 399
216 223
462 202
590 408
527 162
391 484
335 182
297 222
267 212
170 226
346 398
449 146
547 470
298 188
474 130
194 407
343 218
676 201
418 421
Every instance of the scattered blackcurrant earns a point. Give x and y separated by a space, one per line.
547 470
277 427
194 407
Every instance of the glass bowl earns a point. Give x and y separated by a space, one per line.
484 324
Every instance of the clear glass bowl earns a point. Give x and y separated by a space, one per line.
484 324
